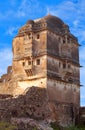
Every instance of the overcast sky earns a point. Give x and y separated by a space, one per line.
15 13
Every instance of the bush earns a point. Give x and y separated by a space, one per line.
71 128
57 127
7 126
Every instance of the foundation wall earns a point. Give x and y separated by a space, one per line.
63 92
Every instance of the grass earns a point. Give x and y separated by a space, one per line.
7 126
56 127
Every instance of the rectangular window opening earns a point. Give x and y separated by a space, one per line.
64 65
38 61
69 66
64 41
38 36
23 63
29 62
59 64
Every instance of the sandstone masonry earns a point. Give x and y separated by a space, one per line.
45 55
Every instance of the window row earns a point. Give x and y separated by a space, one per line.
64 65
65 40
25 63
30 36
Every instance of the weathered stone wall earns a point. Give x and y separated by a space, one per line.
7 77
63 92
40 43
52 65
27 46
45 54
18 47
75 53
35 104
52 44
17 81
20 87
82 116
26 105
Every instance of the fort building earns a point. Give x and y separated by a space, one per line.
45 55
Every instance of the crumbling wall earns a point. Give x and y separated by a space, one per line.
7 77
35 104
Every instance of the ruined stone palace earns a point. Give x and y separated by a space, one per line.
46 55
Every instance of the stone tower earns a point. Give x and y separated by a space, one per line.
46 54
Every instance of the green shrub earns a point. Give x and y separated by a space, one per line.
74 128
71 128
35 128
7 126
55 126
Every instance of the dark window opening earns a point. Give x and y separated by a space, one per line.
38 36
29 62
59 64
38 105
69 66
70 79
68 40
64 65
30 36
64 41
23 63
38 61
25 37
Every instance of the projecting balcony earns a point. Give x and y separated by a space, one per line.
28 67
68 70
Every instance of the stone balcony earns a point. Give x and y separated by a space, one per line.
28 67
68 70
